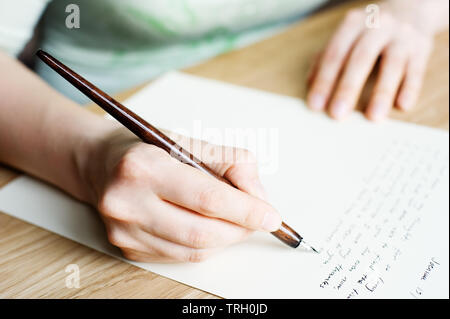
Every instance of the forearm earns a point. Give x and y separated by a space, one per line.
42 132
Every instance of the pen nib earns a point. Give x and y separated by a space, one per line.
308 247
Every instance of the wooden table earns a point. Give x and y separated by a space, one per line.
33 260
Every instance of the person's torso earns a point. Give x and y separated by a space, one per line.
135 40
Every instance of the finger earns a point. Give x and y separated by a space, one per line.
361 61
153 245
240 168
138 256
133 239
168 221
119 234
388 82
246 178
333 59
412 83
314 69
237 165
193 189
187 228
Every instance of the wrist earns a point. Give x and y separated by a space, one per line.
87 156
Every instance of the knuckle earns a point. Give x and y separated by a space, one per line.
396 57
116 238
129 166
110 207
199 239
107 205
115 210
235 173
195 256
252 216
323 84
346 90
143 161
334 53
253 220
207 198
362 53
129 255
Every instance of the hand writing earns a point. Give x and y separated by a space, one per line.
157 209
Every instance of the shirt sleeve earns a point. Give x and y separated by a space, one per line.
18 19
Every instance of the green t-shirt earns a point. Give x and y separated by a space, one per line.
121 43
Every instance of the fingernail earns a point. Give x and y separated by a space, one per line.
339 109
379 111
271 222
317 102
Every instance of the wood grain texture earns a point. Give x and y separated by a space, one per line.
33 260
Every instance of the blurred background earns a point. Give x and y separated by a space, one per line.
137 40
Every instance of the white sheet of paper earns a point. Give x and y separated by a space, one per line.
372 197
